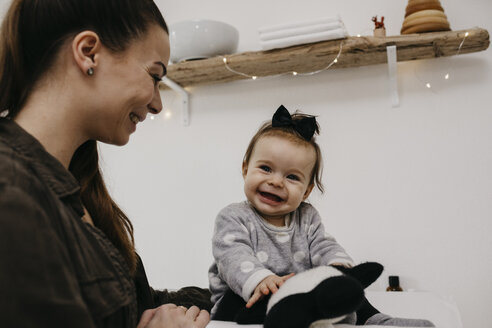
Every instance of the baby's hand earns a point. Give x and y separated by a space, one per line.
267 285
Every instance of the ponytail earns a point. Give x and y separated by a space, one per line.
13 80
105 214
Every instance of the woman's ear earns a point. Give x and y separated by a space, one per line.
86 47
245 169
308 191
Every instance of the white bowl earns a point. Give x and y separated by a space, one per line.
198 39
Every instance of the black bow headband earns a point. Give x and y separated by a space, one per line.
305 126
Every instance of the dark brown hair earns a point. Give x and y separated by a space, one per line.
32 34
290 134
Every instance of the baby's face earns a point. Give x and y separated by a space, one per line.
277 178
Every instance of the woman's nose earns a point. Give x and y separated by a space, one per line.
155 106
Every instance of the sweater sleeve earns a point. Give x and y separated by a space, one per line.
323 247
234 255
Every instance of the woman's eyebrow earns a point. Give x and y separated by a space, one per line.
164 69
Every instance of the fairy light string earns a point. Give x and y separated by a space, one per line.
428 85
461 44
293 73
447 76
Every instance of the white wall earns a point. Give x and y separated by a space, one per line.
410 187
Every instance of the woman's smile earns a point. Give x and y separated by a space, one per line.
135 118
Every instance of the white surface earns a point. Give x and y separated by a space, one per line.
409 187
441 311
309 29
294 25
193 39
334 34
228 324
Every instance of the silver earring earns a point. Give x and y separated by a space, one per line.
90 71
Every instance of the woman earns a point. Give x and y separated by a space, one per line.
73 73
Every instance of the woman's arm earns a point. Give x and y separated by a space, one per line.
149 298
187 307
187 297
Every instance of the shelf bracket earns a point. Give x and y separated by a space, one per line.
185 99
392 72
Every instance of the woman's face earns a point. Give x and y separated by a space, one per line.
126 87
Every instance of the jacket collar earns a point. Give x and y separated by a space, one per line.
47 167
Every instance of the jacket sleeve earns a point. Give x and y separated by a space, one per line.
323 248
38 287
234 255
186 296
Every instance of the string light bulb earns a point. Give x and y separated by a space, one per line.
168 114
463 41
294 73
447 75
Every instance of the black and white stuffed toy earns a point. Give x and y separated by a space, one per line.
329 293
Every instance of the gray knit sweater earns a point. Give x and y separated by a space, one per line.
247 249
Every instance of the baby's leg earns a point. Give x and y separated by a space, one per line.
229 305
368 315
385 320
253 315
233 308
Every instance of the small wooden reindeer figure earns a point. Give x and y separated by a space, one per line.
379 29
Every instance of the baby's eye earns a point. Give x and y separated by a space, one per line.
293 177
265 168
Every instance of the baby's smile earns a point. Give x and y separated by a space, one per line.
271 197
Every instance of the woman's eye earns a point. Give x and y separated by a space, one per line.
293 177
156 79
265 168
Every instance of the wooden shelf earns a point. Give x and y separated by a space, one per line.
356 51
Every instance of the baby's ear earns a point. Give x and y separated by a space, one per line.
308 191
245 169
